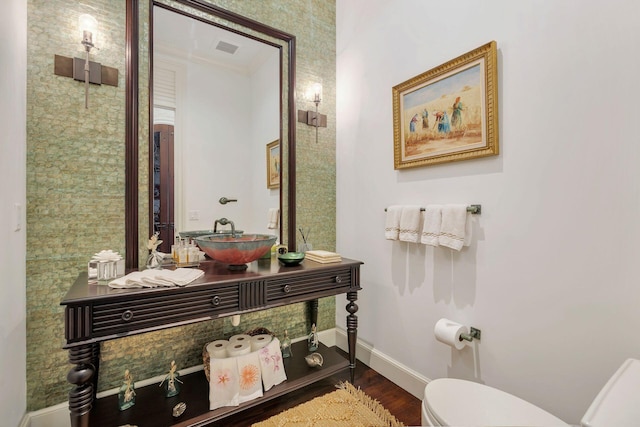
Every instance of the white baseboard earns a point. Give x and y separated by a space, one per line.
389 368
25 421
58 415
414 383
53 416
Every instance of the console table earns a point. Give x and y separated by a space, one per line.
96 313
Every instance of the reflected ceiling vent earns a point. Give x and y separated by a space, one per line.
226 47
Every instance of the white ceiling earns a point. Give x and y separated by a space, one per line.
178 35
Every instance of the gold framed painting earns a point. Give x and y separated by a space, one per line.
273 164
448 113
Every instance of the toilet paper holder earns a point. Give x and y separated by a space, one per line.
473 333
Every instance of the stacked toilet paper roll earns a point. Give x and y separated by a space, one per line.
448 332
240 338
237 345
260 341
238 348
218 349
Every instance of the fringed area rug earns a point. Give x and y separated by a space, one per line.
346 407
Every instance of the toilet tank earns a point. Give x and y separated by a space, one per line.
618 402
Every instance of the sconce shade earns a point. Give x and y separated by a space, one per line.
313 118
88 26
314 93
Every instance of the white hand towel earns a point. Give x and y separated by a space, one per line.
454 226
392 222
274 218
410 224
250 377
224 384
154 278
180 276
271 365
432 225
131 281
157 282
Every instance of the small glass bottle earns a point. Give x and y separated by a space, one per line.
312 341
127 394
172 381
285 346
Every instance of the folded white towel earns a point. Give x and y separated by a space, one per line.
453 232
392 222
152 278
157 282
274 218
410 224
432 225
132 280
182 276
468 229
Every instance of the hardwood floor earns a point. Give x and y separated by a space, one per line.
403 405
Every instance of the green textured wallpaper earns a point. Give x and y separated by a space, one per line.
75 183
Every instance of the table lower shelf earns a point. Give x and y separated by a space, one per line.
153 409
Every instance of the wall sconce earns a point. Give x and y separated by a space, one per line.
89 27
83 69
312 118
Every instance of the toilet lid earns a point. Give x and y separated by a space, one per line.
617 402
456 402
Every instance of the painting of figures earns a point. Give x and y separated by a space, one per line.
448 113
273 164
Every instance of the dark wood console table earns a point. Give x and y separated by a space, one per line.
96 313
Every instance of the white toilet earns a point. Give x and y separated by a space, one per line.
453 402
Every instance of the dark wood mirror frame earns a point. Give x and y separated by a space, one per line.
132 110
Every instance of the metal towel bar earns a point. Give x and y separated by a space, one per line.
473 209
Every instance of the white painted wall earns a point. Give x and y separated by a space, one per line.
224 154
13 113
265 102
551 277
215 144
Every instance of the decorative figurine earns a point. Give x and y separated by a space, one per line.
127 394
172 385
285 346
314 360
313 339
155 258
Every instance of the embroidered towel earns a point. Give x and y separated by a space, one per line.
224 384
392 222
271 365
410 224
250 377
432 225
274 218
453 228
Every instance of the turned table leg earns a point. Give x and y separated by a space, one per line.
352 331
84 376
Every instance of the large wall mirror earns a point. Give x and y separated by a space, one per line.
221 96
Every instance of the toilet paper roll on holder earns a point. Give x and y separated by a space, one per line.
473 334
